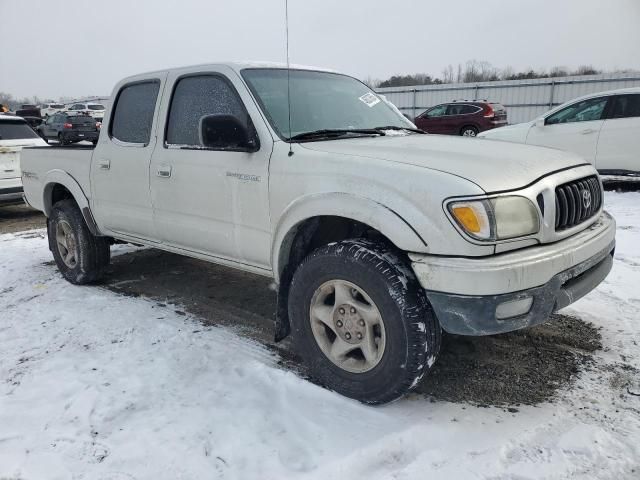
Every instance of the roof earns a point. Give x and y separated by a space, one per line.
237 66
10 117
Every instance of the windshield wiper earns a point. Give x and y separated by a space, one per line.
395 127
335 133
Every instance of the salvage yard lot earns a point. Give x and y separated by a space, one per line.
168 370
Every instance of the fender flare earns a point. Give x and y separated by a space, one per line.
60 177
361 209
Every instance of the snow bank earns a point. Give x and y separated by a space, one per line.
104 387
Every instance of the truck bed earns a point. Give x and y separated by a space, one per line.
40 165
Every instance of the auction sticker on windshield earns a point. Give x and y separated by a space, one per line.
369 99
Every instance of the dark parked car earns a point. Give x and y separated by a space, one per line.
69 128
462 118
34 122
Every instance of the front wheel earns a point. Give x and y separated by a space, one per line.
361 321
80 256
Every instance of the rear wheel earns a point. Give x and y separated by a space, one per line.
469 131
80 256
361 321
61 139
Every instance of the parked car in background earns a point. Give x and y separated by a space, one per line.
48 109
15 134
30 111
462 118
34 122
603 128
96 110
376 234
66 129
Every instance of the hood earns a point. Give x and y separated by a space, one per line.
493 166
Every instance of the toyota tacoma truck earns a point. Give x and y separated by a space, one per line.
377 235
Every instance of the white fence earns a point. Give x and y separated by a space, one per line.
524 99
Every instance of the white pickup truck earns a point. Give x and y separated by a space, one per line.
377 235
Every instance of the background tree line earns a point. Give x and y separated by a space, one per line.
479 71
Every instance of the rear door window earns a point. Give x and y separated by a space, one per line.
132 116
626 106
16 130
454 109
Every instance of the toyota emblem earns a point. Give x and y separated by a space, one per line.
586 199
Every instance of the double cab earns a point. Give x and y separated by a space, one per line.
377 235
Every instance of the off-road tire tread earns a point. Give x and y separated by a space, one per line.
423 332
94 252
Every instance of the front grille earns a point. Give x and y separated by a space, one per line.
577 201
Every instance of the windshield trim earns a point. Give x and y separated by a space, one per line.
265 111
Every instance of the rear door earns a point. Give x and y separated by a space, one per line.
574 128
619 142
121 201
213 201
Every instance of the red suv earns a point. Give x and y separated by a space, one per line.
462 118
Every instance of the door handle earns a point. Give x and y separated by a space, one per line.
104 164
164 171
587 131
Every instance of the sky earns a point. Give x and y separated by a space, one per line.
84 47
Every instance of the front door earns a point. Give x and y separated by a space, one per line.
121 201
432 121
212 201
574 128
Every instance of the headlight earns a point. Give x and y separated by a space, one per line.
498 218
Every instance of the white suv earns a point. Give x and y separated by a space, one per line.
96 110
48 109
603 128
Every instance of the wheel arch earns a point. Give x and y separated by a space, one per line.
362 210
59 185
322 219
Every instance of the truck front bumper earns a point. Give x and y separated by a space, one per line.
509 291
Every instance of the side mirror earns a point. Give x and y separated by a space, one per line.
540 122
226 132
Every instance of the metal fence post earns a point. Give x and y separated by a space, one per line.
476 94
415 91
553 85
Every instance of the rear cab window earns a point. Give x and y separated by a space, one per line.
16 130
133 111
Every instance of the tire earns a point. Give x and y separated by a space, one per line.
84 256
61 139
468 131
405 346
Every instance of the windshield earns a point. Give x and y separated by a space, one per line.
319 101
15 130
96 106
56 105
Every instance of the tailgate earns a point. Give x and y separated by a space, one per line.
9 162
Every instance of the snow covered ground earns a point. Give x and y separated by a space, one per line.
94 385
